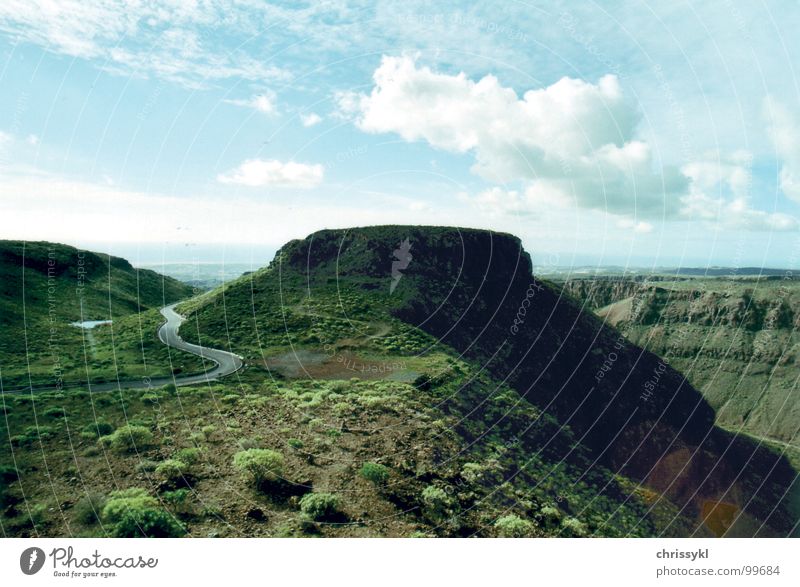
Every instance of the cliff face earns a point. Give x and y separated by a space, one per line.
735 339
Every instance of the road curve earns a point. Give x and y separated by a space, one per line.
225 363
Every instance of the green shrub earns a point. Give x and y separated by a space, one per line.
472 472
259 464
126 499
295 443
172 471
148 523
512 526
190 456
436 502
573 527
88 509
128 438
320 506
20 440
550 516
96 429
247 443
378 474
178 501
43 432
54 412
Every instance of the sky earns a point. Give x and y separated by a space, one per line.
614 133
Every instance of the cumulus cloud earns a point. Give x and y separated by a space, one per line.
262 102
784 131
310 119
574 139
496 200
720 193
271 172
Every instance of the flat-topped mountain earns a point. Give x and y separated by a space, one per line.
472 291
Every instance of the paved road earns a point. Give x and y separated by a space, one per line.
225 363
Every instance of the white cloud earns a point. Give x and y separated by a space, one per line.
573 139
141 37
570 144
784 131
720 194
639 227
498 201
271 172
264 102
310 119
40 206
32 140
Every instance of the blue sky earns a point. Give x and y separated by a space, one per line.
608 133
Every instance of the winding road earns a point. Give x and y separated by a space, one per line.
225 363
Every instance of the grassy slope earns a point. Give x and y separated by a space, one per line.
335 380
45 286
735 339
380 391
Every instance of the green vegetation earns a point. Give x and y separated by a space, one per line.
735 338
383 429
172 471
378 474
133 513
58 285
321 507
128 439
259 465
512 526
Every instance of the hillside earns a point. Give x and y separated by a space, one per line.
402 381
327 304
735 339
44 287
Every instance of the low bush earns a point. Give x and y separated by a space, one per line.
512 526
178 501
190 456
54 412
134 513
172 471
377 473
128 438
573 527
320 507
148 523
96 429
87 510
126 499
436 502
259 464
